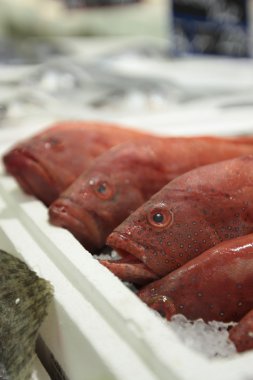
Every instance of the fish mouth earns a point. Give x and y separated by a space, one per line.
131 267
66 214
31 175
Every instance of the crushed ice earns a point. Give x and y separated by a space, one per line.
108 255
211 339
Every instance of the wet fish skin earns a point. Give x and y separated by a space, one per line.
112 188
200 209
132 172
216 285
47 163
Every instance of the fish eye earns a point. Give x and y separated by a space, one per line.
103 190
160 217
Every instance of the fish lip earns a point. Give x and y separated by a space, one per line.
131 247
31 175
123 242
136 272
65 213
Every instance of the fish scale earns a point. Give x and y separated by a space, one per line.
216 285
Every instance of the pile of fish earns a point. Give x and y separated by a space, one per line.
178 210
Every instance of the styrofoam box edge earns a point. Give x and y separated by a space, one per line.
80 339
39 373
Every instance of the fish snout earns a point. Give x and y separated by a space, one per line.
82 224
131 267
122 241
30 174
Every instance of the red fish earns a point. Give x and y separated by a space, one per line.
191 214
216 285
49 162
46 164
126 176
242 334
103 196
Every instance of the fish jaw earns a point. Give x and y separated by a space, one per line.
132 267
133 272
82 224
121 242
216 285
31 175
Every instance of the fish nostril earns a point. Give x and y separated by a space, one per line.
57 210
54 144
62 209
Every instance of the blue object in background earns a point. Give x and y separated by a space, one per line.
217 27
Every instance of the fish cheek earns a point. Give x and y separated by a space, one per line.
172 247
112 211
129 199
152 238
162 250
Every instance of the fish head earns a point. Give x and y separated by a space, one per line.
165 232
95 204
47 163
40 163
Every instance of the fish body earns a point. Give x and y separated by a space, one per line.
191 214
130 174
242 334
47 163
24 301
216 285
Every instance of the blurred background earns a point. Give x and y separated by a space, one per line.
83 17
179 67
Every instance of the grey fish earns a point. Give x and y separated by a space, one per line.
24 300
